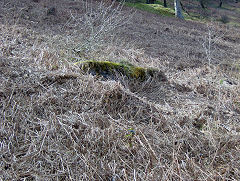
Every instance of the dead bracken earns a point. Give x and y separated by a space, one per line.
177 121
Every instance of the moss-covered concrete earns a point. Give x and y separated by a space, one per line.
110 70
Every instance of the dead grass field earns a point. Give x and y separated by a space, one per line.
59 123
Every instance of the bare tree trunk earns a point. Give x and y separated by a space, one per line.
202 4
220 3
178 9
185 10
165 3
150 1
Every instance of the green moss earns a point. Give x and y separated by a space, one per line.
153 8
124 62
111 69
100 66
139 73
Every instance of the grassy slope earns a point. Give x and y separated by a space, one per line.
153 8
158 8
58 123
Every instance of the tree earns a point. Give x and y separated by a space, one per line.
178 9
220 3
150 1
165 3
203 3
185 10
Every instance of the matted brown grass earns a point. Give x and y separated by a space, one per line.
58 123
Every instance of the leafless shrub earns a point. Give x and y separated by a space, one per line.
210 43
98 24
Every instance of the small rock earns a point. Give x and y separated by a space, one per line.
51 11
228 83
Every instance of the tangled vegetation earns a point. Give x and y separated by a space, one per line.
57 122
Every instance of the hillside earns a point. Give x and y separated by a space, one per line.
61 122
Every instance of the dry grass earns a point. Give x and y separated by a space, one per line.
58 123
